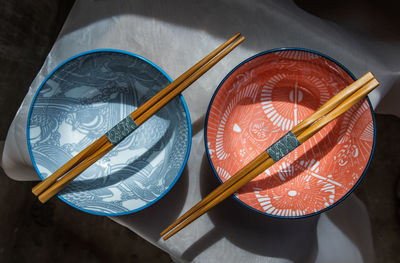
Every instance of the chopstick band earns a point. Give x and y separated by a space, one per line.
283 146
121 130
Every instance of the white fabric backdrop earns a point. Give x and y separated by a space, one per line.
176 34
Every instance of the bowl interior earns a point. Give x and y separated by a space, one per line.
83 99
264 98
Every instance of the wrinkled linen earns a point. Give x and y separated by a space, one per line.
175 35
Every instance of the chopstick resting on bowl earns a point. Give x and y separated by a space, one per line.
333 108
60 178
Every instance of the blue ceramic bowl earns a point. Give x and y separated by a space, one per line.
81 100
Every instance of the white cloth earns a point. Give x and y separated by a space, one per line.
175 35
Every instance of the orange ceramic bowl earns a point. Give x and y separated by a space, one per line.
266 96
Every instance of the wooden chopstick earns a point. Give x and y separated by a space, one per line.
161 94
333 102
74 172
263 156
222 196
39 188
61 183
339 110
188 81
219 196
92 148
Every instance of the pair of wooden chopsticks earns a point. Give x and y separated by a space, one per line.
52 185
333 108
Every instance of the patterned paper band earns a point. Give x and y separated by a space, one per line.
121 130
283 146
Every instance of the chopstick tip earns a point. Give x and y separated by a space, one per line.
166 237
34 191
43 199
375 82
369 73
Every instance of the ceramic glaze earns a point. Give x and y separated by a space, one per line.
263 99
83 99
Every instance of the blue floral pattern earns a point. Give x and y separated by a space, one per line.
80 102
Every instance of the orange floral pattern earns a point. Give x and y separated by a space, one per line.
262 100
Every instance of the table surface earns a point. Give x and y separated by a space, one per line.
173 36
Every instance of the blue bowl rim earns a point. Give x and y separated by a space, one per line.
289 49
180 96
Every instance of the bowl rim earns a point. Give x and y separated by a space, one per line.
140 58
290 49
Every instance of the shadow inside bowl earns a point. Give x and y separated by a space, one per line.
249 187
122 174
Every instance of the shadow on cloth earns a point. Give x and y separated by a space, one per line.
167 208
260 236
298 237
351 218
